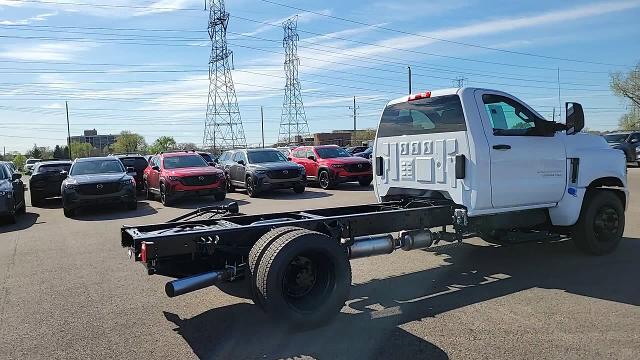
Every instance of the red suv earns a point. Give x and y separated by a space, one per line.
330 165
173 175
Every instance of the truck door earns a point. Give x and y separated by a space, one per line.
528 159
153 176
416 147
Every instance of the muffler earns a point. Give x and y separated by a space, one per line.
196 282
365 246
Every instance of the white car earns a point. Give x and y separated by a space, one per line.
28 165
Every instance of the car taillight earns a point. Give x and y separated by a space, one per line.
424 95
143 252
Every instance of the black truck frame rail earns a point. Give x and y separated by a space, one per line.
219 244
235 233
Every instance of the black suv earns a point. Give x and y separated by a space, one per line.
47 179
259 170
628 142
11 192
97 180
138 163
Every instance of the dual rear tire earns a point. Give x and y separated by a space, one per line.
299 276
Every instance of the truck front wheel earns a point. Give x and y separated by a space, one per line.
601 224
303 278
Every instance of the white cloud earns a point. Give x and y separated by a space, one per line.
27 21
304 17
162 6
45 51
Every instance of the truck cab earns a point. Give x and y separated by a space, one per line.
493 154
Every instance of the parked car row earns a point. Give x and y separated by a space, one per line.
169 176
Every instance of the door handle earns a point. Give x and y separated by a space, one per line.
502 147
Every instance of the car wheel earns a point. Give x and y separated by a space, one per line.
165 198
601 224
251 187
148 193
36 201
230 187
365 180
68 212
219 196
299 188
325 180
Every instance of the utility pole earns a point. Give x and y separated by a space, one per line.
559 102
459 81
409 68
354 108
262 123
554 113
66 105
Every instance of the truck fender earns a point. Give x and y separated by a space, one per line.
567 211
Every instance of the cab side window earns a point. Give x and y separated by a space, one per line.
310 153
239 156
510 118
299 153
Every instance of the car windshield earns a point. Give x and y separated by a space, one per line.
53 168
207 157
257 157
332 152
184 161
616 138
97 167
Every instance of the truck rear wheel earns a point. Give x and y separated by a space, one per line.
601 224
257 252
303 278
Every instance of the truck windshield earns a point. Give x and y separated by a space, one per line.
97 167
332 152
425 116
257 157
185 161
616 138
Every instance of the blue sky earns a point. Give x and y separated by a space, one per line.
142 65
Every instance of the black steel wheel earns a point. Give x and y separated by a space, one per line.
303 278
601 224
325 180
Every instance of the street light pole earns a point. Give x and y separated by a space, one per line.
66 105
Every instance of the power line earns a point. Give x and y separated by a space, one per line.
441 39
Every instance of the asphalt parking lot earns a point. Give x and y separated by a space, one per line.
68 290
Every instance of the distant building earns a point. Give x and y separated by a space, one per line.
343 137
97 141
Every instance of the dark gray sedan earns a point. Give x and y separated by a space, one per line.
96 181
259 170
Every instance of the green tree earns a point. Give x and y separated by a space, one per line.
186 146
80 149
128 142
59 153
163 143
19 161
628 86
35 152
363 136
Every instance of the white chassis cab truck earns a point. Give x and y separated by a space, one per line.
447 163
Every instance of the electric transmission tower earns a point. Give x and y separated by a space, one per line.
459 81
223 127
293 122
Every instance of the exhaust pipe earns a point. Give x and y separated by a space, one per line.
196 282
365 246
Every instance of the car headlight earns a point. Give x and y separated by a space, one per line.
337 165
638 148
71 186
128 182
173 178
